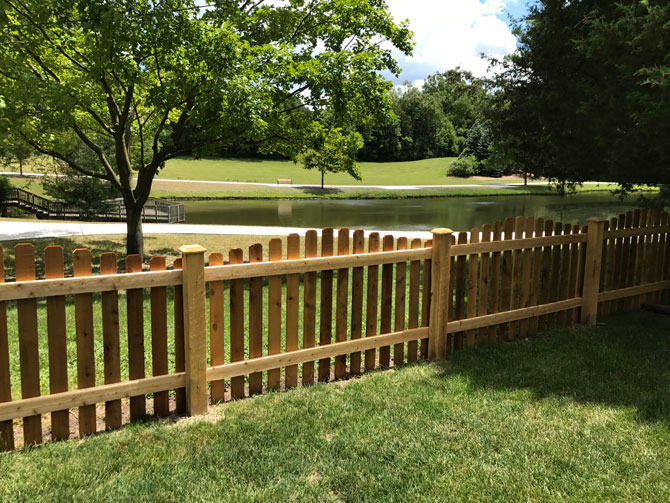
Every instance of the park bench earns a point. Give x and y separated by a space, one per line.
284 181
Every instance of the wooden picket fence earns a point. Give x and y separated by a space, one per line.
235 326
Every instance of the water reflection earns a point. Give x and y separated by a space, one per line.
459 213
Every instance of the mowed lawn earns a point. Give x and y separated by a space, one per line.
574 415
424 172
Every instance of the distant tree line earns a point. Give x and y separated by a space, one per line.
434 121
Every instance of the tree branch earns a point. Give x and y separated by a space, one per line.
63 158
140 126
98 151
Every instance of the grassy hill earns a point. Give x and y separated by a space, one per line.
424 172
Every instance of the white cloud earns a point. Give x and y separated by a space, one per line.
450 33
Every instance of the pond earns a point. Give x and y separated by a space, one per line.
458 213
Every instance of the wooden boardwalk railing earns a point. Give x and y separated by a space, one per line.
422 300
156 210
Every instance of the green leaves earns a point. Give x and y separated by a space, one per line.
332 151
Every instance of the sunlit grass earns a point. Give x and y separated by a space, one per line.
575 415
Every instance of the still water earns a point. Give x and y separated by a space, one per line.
458 213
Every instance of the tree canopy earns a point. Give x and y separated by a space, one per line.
138 83
587 94
433 121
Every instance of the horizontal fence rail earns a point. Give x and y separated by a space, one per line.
127 344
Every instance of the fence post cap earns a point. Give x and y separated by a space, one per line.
595 220
442 230
189 249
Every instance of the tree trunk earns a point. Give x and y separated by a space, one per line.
525 178
21 167
134 237
322 175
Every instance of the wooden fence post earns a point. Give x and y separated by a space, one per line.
195 332
594 251
440 263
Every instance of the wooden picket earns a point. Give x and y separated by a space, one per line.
255 319
414 292
473 269
564 284
292 308
537 274
217 324
357 285
372 302
179 343
274 312
484 274
235 257
54 268
526 277
507 278
110 340
425 297
545 288
135 319
386 303
575 273
514 328
342 303
159 338
326 321
7 426
309 311
83 309
400 302
495 281
665 253
460 290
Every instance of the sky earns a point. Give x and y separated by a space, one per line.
450 33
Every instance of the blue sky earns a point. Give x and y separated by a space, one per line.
450 33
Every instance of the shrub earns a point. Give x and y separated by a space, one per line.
5 189
464 166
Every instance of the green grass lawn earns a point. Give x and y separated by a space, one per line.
575 415
424 172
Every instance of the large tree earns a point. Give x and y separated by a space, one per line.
587 94
126 79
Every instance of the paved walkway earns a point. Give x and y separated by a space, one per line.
18 230
509 185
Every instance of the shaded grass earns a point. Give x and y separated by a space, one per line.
576 415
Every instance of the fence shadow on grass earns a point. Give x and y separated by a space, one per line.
624 362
